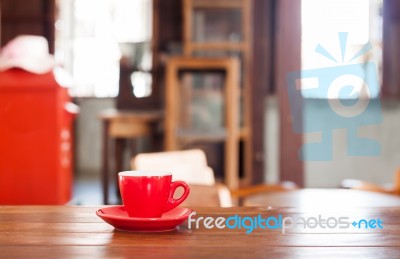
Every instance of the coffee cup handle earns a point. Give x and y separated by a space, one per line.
172 203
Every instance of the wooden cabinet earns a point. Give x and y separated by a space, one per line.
202 106
221 28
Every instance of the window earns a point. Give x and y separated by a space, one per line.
321 23
88 36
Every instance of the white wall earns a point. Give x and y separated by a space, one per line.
88 134
378 169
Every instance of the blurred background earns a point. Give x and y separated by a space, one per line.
117 52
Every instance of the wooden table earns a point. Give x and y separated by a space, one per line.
121 126
74 232
324 198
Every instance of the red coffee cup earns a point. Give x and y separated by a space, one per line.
148 194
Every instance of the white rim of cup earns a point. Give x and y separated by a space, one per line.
141 173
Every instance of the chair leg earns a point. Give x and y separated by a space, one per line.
105 165
119 162
397 181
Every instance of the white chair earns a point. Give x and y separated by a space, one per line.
393 188
189 166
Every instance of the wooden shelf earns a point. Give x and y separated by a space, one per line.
218 136
175 104
217 4
216 46
243 133
197 27
208 136
202 136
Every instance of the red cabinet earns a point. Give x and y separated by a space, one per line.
35 139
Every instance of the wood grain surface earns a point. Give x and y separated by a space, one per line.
73 232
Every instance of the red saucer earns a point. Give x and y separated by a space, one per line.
119 219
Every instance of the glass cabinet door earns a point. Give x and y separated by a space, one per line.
216 25
201 104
